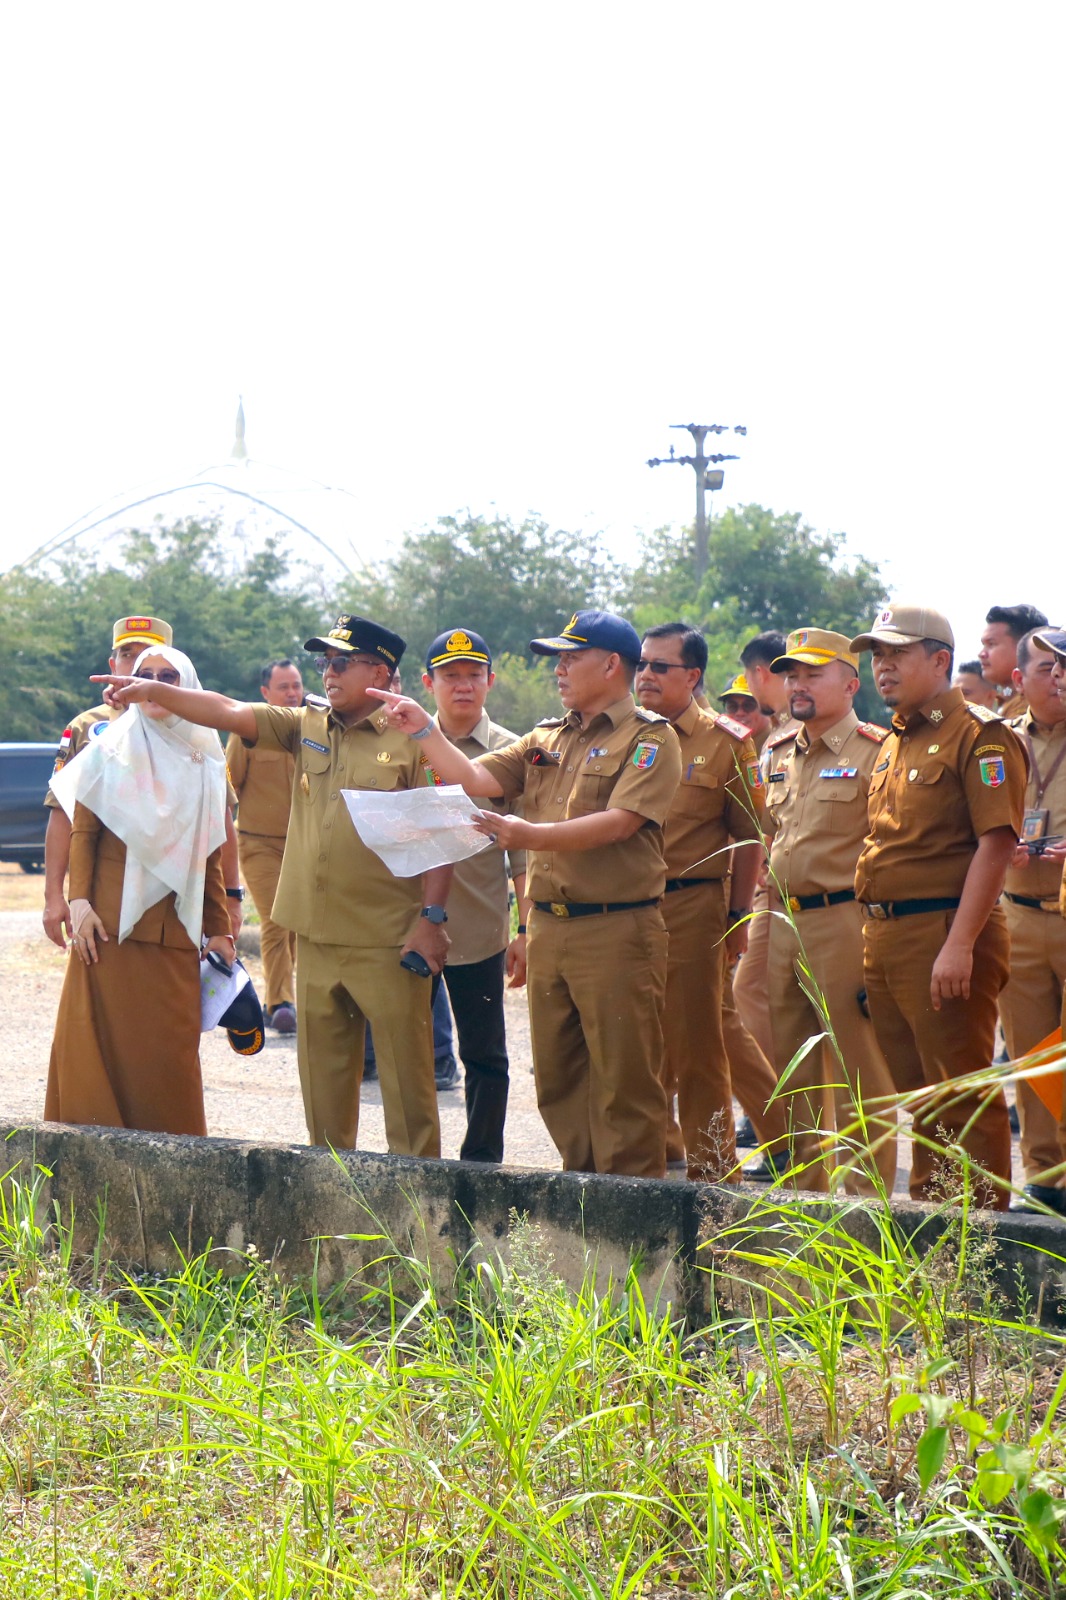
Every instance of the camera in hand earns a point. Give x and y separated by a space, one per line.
1036 847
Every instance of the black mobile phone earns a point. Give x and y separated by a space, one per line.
220 963
417 964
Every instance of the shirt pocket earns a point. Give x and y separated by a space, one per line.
316 767
593 785
700 796
844 805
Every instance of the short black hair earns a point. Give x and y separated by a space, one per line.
268 672
1018 620
693 644
931 646
763 649
1026 651
969 666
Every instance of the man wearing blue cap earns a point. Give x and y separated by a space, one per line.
352 918
596 786
459 676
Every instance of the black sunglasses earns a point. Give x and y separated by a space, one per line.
341 663
168 675
661 668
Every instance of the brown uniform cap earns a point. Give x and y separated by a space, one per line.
903 624
814 647
145 630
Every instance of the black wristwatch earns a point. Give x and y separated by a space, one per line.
435 914
235 894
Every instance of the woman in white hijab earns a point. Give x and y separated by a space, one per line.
147 802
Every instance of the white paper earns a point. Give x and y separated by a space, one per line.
415 830
217 993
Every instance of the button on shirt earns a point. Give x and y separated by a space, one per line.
1041 879
479 920
816 806
623 758
333 889
947 774
720 795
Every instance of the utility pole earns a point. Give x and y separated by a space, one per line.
704 480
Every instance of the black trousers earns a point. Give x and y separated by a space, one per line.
476 994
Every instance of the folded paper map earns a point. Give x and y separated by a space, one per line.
416 829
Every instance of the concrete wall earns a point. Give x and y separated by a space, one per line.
149 1196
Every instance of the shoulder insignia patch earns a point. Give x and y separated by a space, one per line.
649 716
550 722
737 729
784 737
870 730
982 713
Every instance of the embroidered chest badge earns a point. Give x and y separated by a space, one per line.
992 771
644 756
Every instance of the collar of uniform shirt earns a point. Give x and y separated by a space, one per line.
834 737
480 734
942 704
615 713
377 722
689 718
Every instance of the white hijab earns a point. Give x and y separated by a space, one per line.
160 786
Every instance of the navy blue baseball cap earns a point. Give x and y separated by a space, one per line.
592 630
349 634
1053 640
243 1022
458 644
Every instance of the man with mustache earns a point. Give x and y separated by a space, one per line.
946 805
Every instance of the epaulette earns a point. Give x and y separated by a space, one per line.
737 729
784 737
316 702
982 713
550 722
870 730
649 716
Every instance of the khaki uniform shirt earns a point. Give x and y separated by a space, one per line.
1040 879
624 758
816 805
333 889
262 780
720 795
479 918
949 773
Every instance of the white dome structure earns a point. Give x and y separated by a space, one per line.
248 499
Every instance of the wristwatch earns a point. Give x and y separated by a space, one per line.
435 914
235 894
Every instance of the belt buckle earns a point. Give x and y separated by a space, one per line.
878 912
793 903
559 910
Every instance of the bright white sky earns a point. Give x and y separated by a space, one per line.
482 255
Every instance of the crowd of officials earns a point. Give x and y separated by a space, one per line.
774 901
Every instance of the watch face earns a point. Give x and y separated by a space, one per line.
435 913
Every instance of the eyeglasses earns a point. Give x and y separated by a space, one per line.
342 663
661 668
168 675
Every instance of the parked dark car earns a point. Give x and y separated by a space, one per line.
24 773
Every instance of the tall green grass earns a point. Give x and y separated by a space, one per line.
852 1422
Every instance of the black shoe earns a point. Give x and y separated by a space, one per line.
1012 1116
1038 1197
747 1138
446 1073
767 1169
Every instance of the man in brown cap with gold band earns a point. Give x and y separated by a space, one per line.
816 815
946 805
129 636
719 798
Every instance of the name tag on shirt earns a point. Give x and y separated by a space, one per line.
544 758
314 745
839 772
776 777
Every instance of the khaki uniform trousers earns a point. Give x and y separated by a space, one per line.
596 989
749 980
339 989
753 1078
1030 1007
695 1065
823 1092
927 1047
261 869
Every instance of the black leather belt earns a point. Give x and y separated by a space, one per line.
673 884
1027 900
812 902
908 908
578 908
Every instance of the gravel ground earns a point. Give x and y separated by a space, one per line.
254 1098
